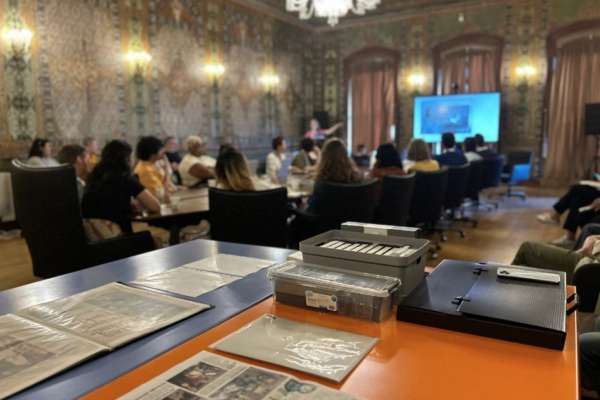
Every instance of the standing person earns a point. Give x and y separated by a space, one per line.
449 154
388 162
149 151
275 159
111 186
92 147
232 173
469 148
195 166
40 154
316 132
79 158
307 157
483 150
361 158
418 157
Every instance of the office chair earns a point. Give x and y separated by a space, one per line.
394 200
492 170
258 218
472 189
518 168
454 198
48 210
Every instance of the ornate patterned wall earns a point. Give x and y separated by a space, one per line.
77 77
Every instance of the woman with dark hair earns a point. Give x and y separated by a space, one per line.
111 186
334 167
39 154
388 163
232 173
149 151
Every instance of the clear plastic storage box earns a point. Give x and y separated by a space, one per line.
349 293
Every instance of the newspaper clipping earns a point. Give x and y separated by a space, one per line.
113 314
232 265
208 376
186 281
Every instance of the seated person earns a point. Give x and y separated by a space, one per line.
419 157
334 167
231 172
79 158
40 154
361 158
307 157
316 132
193 167
92 147
172 153
149 151
482 149
111 186
589 350
449 154
388 162
275 158
578 196
469 146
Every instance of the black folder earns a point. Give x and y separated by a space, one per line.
470 298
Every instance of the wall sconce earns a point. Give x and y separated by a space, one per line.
19 40
214 71
526 71
416 79
139 59
270 82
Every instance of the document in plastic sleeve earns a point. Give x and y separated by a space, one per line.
186 281
231 265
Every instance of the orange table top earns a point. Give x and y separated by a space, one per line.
409 362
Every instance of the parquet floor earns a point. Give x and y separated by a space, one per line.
496 238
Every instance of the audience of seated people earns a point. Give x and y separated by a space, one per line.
450 155
275 159
388 163
470 150
361 157
92 147
307 157
316 132
195 167
152 174
110 187
232 173
40 154
79 158
419 157
482 149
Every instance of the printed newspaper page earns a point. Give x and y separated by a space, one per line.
113 314
187 281
232 265
30 353
207 376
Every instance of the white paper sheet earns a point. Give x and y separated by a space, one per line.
30 353
328 353
112 314
207 376
232 265
187 281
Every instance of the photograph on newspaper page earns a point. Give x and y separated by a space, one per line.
30 353
208 376
113 314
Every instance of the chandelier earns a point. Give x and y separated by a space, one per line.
330 9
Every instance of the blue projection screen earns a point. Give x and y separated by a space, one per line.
462 114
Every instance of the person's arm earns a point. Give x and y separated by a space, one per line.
334 128
148 201
200 171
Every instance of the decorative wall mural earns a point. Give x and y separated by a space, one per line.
82 63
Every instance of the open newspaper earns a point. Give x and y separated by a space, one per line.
207 376
203 276
43 340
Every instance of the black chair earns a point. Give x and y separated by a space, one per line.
454 197
48 210
587 280
472 189
518 168
258 218
426 203
492 171
394 201
339 203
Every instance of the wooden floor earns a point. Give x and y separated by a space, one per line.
497 238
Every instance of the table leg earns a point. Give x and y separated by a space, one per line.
174 239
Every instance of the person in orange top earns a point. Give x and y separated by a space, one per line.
92 147
388 162
149 151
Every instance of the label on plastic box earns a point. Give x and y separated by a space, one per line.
373 229
322 301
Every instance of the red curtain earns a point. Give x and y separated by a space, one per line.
373 95
483 72
453 71
575 83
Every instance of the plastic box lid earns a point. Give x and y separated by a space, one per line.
335 279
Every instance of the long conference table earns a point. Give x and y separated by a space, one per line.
409 362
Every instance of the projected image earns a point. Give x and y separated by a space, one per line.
438 118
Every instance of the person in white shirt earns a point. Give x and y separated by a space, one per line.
79 158
195 167
232 173
39 154
470 150
275 158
